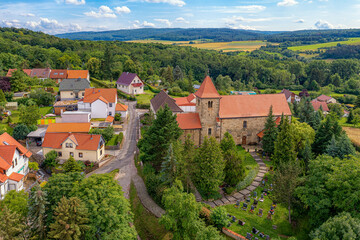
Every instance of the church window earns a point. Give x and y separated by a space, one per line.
210 104
209 131
245 124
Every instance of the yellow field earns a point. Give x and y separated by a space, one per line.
218 46
354 135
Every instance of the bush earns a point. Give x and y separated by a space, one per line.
143 105
72 166
118 117
219 217
247 180
51 159
120 137
229 190
34 166
108 133
20 131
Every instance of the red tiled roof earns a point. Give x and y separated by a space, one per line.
40 72
10 71
277 122
5 137
77 74
191 97
84 141
316 105
121 107
207 89
68 127
323 98
109 119
101 98
58 73
235 106
6 156
92 94
16 177
188 120
3 177
184 101
137 84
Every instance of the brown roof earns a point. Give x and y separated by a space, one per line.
287 93
58 73
121 107
316 105
26 71
207 89
188 121
235 106
323 98
6 139
68 128
40 72
83 141
93 94
77 73
163 98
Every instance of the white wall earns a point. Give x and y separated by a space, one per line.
75 118
188 108
99 109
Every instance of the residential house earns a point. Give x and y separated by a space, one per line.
187 104
317 105
68 127
73 89
66 105
19 95
130 83
290 96
14 164
41 73
100 102
58 75
121 109
327 99
162 99
26 71
84 147
75 74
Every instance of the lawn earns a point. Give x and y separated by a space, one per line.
314 47
112 141
45 110
145 98
280 218
146 224
249 161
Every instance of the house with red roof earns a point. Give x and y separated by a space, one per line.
243 116
41 73
326 99
290 96
320 105
121 109
187 104
130 83
10 71
81 146
14 164
100 102
58 75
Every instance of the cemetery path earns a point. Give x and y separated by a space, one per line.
243 194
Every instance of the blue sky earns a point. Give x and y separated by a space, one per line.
59 16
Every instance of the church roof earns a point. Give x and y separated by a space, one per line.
236 106
188 121
207 89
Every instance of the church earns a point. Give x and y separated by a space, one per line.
212 115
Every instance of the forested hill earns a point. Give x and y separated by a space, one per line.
171 34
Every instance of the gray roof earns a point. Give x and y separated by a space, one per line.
40 132
74 84
161 99
126 78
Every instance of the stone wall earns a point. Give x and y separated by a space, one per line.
208 116
195 136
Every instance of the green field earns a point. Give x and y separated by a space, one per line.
314 47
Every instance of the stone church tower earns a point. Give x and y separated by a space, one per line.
207 106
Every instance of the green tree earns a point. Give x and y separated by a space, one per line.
108 133
284 145
285 182
29 115
72 166
315 119
270 133
11 225
20 131
219 217
340 148
16 202
186 162
37 211
350 117
71 218
356 120
50 159
306 155
342 226
169 167
209 164
357 102
94 66
109 211
107 62
301 133
130 66
156 140
177 73
34 166
168 75
2 96
41 97
336 109
305 110
18 81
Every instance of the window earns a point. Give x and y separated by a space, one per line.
100 152
60 154
80 155
13 164
110 113
15 161
210 104
72 154
110 104
69 145
82 94
245 124
209 131
61 73
71 94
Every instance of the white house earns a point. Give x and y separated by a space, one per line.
130 83
187 104
100 102
14 164
121 109
290 96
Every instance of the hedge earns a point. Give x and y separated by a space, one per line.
247 180
143 105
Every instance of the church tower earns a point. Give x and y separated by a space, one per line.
207 106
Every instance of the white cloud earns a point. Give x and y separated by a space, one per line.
164 21
145 24
287 3
299 21
123 9
240 26
27 15
104 12
179 3
74 2
10 23
238 9
181 20
323 25
233 20
51 26
251 8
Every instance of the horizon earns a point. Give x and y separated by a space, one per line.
109 15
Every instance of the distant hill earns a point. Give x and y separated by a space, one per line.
170 34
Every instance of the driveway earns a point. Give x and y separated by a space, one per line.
124 160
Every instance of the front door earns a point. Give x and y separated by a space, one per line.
243 140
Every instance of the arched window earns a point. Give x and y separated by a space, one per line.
209 131
245 124
210 104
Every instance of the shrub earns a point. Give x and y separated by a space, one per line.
247 180
34 166
20 132
72 166
229 190
51 159
118 117
219 217
120 137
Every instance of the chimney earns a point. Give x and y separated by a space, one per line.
93 90
91 137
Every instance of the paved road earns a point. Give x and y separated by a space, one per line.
124 161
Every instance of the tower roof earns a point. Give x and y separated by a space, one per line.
207 89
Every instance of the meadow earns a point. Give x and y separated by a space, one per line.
218 46
315 47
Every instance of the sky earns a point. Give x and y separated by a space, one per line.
60 16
